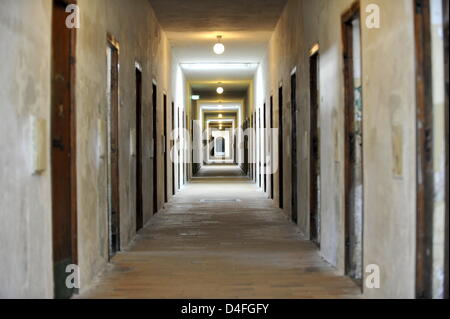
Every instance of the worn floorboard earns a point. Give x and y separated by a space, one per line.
244 249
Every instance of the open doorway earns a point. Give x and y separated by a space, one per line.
113 146
139 194
351 33
63 151
294 197
314 144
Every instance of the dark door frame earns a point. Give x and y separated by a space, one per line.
73 151
445 8
314 144
179 148
424 128
114 149
164 146
259 149
255 147
264 157
347 37
173 150
155 146
185 173
280 148
139 162
271 148
294 167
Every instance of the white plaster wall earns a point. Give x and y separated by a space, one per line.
25 200
134 25
389 103
25 210
389 98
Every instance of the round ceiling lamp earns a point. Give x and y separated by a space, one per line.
220 90
219 48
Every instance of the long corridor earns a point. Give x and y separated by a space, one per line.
213 149
221 237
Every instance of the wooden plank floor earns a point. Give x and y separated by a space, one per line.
196 249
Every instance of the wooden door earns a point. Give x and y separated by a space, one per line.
294 203
173 153
113 148
164 146
264 154
255 147
63 151
139 194
424 99
179 117
271 148
155 148
259 148
314 143
185 177
280 148
354 201
445 6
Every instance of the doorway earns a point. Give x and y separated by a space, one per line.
155 147
113 146
294 203
63 151
179 148
264 146
431 21
259 143
164 146
445 7
280 146
351 31
271 148
173 150
255 148
314 144
139 194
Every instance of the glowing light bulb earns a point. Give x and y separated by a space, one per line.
219 48
220 90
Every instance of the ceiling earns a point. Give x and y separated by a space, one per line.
214 15
232 90
218 72
192 27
